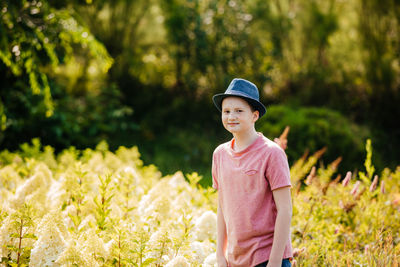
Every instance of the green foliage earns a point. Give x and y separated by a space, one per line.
35 40
122 249
59 82
336 215
194 178
31 151
314 128
76 189
76 121
21 229
141 237
103 201
211 41
125 185
43 50
138 218
368 161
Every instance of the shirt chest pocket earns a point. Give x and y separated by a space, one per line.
251 182
251 172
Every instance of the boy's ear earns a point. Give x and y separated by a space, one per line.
256 115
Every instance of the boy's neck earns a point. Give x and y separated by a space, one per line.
244 140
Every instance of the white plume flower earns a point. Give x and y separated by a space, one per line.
206 226
109 245
198 250
5 195
5 238
182 201
96 163
51 241
177 180
72 256
9 177
116 211
132 171
160 246
34 189
28 187
44 169
87 223
164 219
178 261
211 260
112 161
92 244
88 204
55 195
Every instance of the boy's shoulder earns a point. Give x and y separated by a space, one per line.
270 146
268 143
222 147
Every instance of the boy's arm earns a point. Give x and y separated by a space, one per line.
221 238
283 203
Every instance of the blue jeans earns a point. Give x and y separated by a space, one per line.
285 263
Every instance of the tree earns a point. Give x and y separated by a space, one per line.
36 40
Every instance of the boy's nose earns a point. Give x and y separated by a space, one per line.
231 116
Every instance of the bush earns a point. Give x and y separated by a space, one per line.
95 207
315 128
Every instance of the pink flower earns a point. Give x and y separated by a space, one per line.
374 184
383 187
346 179
355 188
298 251
310 176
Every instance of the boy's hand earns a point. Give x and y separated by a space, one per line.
272 263
222 262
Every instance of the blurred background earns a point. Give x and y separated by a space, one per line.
142 72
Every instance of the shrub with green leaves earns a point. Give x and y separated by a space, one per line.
312 129
99 208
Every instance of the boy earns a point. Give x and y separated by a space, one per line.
251 174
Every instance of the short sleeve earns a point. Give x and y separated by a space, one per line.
214 172
277 171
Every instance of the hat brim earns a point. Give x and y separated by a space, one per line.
217 99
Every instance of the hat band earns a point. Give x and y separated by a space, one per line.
234 92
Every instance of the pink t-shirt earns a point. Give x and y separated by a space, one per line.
245 181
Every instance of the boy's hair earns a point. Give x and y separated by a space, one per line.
252 107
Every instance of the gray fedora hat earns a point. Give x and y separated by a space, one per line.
244 89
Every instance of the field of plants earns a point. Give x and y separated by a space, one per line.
95 207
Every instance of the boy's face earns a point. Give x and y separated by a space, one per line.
237 115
